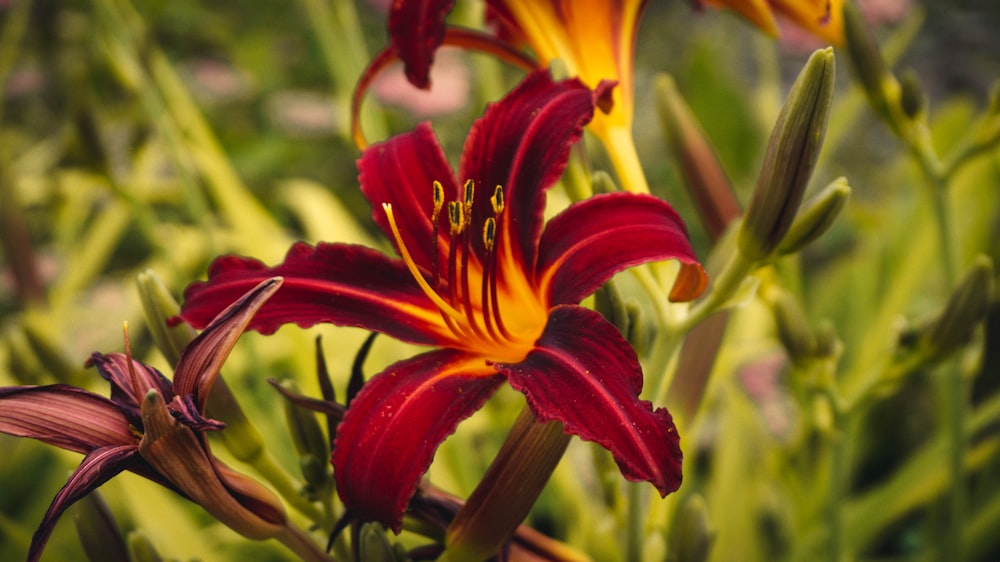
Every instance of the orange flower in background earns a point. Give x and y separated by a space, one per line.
594 39
822 18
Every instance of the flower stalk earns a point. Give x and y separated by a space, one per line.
507 491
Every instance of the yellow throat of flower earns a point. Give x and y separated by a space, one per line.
488 306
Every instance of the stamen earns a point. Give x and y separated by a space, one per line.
435 213
489 233
470 314
408 260
456 217
489 310
438 201
497 200
495 300
491 300
470 193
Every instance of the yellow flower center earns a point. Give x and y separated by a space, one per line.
488 306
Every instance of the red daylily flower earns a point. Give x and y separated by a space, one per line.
492 287
149 426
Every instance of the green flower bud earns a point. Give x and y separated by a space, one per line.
790 158
141 549
602 182
862 50
697 161
310 441
816 216
793 328
912 99
966 308
158 305
374 545
691 535
99 533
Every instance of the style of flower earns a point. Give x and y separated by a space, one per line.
594 39
822 18
149 426
495 290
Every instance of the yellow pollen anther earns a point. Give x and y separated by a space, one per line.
489 233
497 200
438 200
470 193
456 216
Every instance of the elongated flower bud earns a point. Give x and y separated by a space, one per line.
158 305
965 310
691 535
374 545
310 442
912 99
865 56
703 174
790 158
141 549
816 215
793 328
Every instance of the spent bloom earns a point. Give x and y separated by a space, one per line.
490 286
149 426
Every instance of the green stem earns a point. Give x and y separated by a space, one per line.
634 536
723 288
955 388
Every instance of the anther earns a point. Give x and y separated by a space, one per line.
489 233
438 200
497 200
470 192
456 216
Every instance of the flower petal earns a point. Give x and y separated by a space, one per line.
115 368
401 171
97 467
202 359
585 375
416 28
522 143
393 426
342 284
64 416
586 244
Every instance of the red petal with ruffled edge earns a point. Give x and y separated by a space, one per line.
416 29
585 375
96 468
592 240
342 284
401 171
63 416
522 142
389 434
